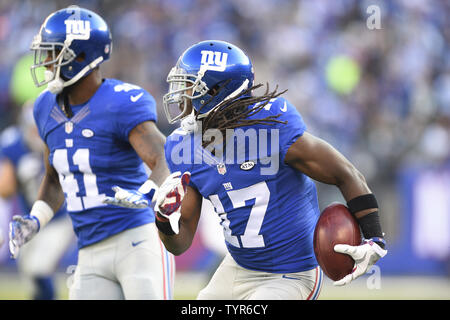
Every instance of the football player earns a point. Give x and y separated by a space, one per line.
98 134
253 158
21 170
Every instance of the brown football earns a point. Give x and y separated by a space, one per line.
336 225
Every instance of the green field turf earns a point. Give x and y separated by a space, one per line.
13 287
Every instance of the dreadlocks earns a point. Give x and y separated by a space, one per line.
235 113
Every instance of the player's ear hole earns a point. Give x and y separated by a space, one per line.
81 57
213 91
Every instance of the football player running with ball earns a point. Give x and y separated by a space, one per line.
263 191
98 135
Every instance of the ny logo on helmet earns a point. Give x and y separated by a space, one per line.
78 29
214 60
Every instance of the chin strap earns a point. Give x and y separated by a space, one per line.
57 84
189 124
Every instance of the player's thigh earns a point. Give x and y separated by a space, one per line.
89 285
275 290
94 274
221 285
144 268
304 285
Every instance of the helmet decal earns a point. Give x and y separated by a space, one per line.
77 29
214 60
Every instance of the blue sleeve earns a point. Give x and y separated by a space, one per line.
133 113
294 127
167 152
176 141
37 114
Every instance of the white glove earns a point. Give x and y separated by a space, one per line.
21 230
141 198
365 256
169 198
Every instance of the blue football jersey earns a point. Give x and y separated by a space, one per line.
28 166
268 210
91 153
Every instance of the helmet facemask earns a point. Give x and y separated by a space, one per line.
183 88
60 55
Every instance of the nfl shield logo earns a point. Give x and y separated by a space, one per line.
68 127
221 168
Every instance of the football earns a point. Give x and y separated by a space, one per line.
336 225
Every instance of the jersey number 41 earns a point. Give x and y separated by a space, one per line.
69 183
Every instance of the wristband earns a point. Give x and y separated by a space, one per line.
371 227
366 201
42 212
164 227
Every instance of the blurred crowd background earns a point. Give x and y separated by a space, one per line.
380 95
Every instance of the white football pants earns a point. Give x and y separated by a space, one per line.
232 282
133 264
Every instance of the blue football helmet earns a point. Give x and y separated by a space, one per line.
70 44
207 73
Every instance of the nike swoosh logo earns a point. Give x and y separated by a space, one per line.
287 277
136 98
284 109
134 244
